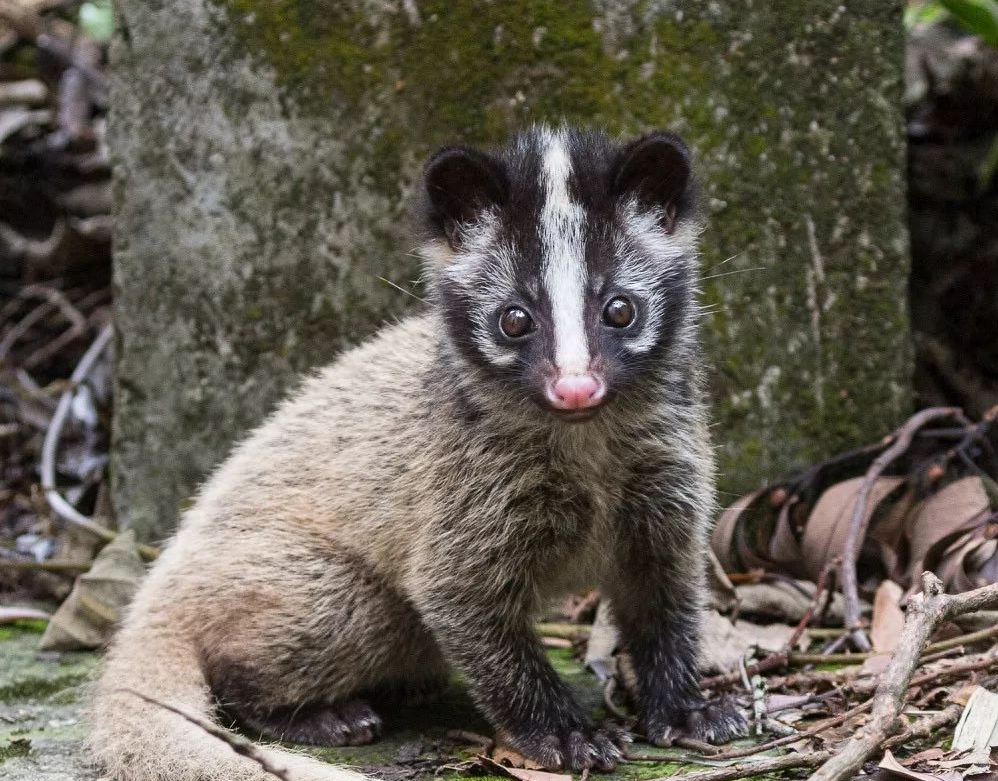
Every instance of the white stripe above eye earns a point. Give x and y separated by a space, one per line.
562 226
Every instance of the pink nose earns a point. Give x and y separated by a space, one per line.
576 391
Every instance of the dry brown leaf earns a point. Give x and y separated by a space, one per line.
525 774
888 534
723 595
725 644
88 616
954 509
875 665
784 549
891 765
784 600
977 729
888 618
963 694
969 561
828 525
722 540
924 756
510 757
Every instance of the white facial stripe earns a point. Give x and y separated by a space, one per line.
646 257
484 272
564 273
499 270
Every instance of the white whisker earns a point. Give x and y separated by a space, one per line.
736 255
402 289
735 271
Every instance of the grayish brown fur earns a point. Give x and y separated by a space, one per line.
401 514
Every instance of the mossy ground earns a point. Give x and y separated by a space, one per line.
41 726
40 720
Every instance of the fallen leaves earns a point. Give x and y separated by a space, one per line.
888 618
951 529
523 773
88 616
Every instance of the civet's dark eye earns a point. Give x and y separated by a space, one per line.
514 322
619 312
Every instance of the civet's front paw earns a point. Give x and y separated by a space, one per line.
575 748
715 721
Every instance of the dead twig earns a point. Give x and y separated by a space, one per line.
772 662
819 591
237 743
70 568
641 757
699 746
920 729
28 27
8 615
783 657
901 440
756 767
967 639
925 612
53 299
816 729
563 631
464 736
843 679
926 726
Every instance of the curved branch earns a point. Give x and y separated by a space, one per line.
50 446
857 526
59 505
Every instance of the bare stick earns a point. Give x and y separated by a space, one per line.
926 726
925 612
8 615
237 743
844 678
756 767
70 568
819 591
817 729
699 746
920 729
782 657
901 440
474 738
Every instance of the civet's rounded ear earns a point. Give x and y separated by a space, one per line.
657 170
460 184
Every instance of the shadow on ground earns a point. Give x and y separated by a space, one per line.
41 725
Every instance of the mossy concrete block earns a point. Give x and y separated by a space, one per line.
265 154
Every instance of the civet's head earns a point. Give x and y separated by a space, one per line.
563 263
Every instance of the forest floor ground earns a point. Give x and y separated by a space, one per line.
42 729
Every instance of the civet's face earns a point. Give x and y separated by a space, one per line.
563 263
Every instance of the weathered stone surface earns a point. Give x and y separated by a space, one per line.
265 152
41 722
